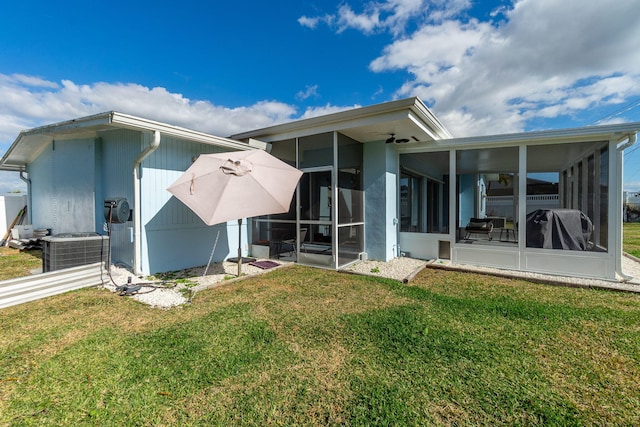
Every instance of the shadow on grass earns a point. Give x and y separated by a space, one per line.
406 355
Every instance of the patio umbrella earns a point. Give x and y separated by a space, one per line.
242 184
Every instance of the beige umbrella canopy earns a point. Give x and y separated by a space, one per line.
242 184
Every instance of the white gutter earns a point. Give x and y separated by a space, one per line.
137 215
631 139
28 182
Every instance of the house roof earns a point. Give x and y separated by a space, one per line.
30 143
584 134
560 147
405 118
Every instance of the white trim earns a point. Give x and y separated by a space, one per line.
559 136
350 118
138 123
38 138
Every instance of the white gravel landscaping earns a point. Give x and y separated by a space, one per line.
177 293
401 269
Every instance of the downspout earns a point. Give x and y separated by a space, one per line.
28 182
631 139
137 215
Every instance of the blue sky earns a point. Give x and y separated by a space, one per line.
483 67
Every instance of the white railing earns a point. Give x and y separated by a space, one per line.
30 288
542 197
504 205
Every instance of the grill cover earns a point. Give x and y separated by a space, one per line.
559 229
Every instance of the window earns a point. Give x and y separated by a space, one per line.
579 172
424 192
411 203
487 189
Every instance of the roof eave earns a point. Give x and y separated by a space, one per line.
86 125
583 134
335 121
138 123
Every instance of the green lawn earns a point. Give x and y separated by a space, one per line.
301 346
14 263
631 239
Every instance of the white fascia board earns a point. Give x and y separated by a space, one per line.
30 143
137 123
421 126
348 119
337 126
326 121
438 127
560 136
43 135
69 126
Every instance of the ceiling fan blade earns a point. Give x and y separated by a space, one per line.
401 140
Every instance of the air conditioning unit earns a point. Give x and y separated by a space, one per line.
67 250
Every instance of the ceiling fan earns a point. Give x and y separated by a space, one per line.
392 138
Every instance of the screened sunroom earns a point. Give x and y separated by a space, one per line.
389 180
325 224
542 202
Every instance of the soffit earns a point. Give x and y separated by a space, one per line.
31 143
405 119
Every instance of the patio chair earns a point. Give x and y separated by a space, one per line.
291 243
479 226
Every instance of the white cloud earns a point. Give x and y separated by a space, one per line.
546 59
313 22
532 59
308 92
324 110
27 102
366 22
388 15
305 21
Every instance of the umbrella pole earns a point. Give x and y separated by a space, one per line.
239 246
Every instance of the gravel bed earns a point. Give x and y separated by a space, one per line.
176 292
400 269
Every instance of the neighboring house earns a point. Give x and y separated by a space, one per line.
379 182
74 166
631 206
